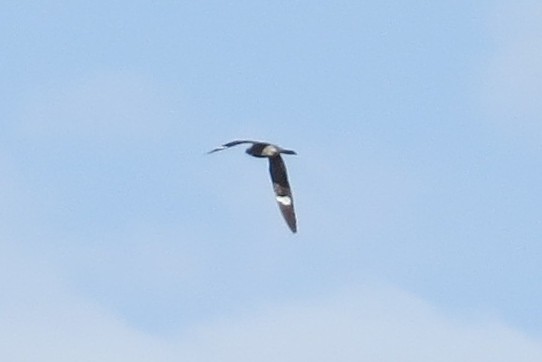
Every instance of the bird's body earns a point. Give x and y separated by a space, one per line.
277 170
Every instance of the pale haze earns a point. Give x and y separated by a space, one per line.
417 181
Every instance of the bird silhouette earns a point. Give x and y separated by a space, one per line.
277 170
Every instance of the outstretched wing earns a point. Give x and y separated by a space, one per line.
283 193
230 144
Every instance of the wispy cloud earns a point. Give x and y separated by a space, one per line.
43 320
362 324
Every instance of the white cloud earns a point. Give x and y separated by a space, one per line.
42 320
364 324
512 87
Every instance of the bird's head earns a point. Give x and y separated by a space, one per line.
288 152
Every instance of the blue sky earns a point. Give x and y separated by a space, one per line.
417 181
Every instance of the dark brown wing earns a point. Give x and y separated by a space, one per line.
283 194
230 144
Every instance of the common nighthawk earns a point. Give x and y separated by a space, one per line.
277 169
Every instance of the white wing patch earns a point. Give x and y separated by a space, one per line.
284 200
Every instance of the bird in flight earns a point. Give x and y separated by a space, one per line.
277 170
